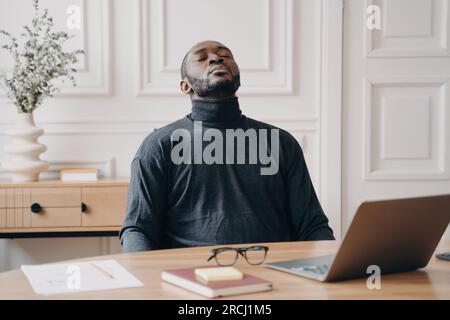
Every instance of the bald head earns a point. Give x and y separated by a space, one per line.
208 70
193 49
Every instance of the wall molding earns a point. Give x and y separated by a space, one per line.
267 36
105 87
147 87
442 50
442 171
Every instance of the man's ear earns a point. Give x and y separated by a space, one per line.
185 87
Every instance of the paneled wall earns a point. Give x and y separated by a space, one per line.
128 84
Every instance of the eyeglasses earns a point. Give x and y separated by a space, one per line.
226 256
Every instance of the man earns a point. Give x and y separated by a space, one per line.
192 185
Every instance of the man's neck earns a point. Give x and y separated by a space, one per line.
216 98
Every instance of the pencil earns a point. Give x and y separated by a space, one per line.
103 271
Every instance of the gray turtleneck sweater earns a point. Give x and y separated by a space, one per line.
172 204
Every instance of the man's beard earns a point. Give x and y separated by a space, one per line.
204 87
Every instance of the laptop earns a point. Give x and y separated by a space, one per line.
396 235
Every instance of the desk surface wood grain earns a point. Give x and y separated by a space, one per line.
432 282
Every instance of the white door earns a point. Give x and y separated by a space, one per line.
396 113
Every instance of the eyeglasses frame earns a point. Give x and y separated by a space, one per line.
242 251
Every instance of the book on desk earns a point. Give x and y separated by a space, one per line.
187 279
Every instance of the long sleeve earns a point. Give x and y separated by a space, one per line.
146 205
135 241
308 219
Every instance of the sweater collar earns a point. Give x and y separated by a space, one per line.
216 111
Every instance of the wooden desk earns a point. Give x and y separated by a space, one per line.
433 282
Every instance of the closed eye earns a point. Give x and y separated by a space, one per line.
201 57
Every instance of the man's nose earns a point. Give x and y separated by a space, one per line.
215 59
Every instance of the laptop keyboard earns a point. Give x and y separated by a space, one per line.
320 269
444 256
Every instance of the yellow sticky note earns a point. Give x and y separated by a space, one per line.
219 274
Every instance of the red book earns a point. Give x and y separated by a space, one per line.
186 278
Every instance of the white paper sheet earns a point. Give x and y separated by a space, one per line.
79 277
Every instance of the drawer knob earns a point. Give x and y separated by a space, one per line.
83 207
36 208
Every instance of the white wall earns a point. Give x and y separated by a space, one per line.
396 120
288 51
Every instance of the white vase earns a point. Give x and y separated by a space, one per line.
22 162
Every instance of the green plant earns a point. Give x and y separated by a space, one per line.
38 63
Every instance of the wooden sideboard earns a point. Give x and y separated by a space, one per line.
53 207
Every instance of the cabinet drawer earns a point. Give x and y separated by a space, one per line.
104 206
56 197
57 217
